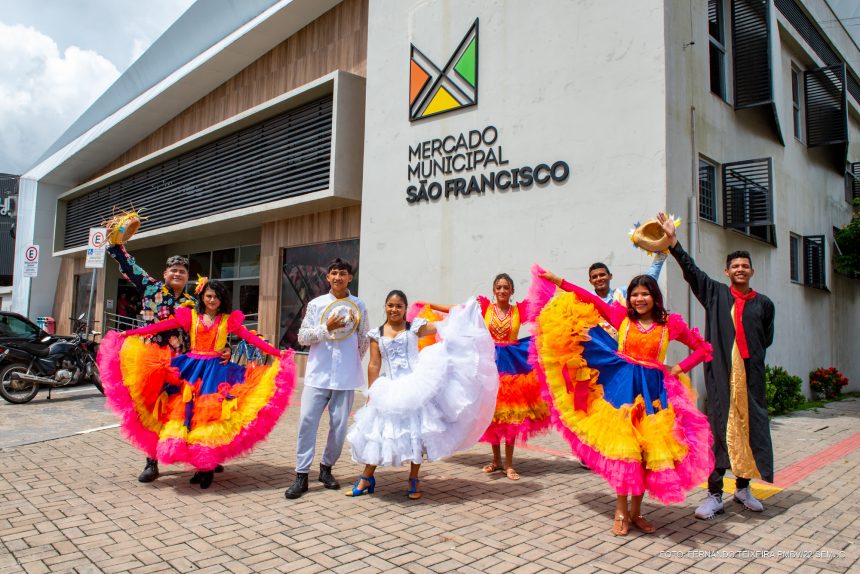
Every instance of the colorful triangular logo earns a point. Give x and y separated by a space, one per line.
434 90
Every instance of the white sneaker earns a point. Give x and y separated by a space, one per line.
711 506
750 502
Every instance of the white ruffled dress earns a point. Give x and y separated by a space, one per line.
429 404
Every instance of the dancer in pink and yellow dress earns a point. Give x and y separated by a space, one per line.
195 408
625 414
521 411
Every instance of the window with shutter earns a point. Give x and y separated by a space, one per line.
826 106
753 60
852 182
707 191
748 198
813 261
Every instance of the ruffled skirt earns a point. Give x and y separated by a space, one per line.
191 409
634 424
521 411
442 407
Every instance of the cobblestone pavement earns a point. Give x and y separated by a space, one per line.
73 504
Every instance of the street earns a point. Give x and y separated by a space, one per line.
70 502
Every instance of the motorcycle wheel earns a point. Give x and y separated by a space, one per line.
16 392
96 378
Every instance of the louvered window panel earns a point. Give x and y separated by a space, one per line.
813 261
810 33
826 106
283 156
852 182
748 193
751 53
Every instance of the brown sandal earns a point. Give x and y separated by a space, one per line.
642 524
511 473
621 526
492 467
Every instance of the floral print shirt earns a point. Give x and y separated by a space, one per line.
158 302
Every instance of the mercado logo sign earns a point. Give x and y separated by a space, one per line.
434 90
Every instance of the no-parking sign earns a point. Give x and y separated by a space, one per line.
31 261
96 248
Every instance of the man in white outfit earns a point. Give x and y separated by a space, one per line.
335 327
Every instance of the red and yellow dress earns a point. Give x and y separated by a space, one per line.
521 411
623 413
190 408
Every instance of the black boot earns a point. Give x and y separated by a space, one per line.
195 478
219 468
327 479
206 479
299 487
150 471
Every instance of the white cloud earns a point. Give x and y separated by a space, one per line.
42 91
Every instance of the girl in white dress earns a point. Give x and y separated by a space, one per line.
429 408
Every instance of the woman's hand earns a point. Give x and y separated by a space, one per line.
551 277
676 370
226 353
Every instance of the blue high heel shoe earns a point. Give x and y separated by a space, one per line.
413 489
371 486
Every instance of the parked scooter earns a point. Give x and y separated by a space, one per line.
52 362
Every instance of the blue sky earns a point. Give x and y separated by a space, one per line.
58 56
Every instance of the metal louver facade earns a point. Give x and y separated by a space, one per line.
826 106
751 53
748 193
813 261
810 33
284 156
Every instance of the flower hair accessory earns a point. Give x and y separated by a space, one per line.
201 284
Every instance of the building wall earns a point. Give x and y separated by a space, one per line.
335 41
64 296
586 92
813 326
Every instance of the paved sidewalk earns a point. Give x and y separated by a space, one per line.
74 505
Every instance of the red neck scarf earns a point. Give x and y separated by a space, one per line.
740 335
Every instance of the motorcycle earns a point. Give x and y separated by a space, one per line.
53 362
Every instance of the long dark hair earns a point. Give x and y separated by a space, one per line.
223 295
659 312
395 293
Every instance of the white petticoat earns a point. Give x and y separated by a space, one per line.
443 406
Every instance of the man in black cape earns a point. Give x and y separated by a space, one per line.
739 325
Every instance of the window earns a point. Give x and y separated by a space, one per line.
14 328
826 107
707 191
81 299
717 47
748 198
813 262
303 278
797 106
239 269
794 256
852 182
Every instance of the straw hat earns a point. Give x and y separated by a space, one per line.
121 227
650 236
